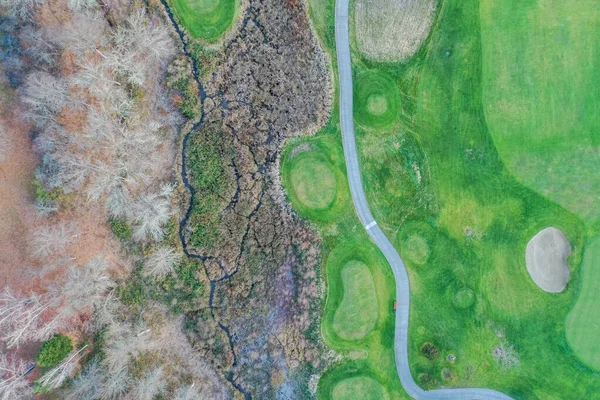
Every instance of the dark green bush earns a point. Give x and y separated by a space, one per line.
427 381
430 351
54 350
120 228
189 101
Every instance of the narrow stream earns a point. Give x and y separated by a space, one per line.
184 177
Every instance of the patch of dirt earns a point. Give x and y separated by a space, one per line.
392 30
16 210
546 257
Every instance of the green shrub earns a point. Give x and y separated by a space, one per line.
189 101
120 228
427 381
54 350
430 351
41 193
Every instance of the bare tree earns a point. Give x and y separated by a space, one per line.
20 8
125 341
150 385
115 384
83 288
21 317
51 239
77 5
187 393
38 47
138 42
54 378
150 212
5 143
45 95
13 385
46 208
162 262
86 385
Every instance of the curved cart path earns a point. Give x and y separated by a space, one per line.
364 213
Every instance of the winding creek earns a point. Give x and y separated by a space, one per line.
184 177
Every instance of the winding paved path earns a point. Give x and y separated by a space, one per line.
364 213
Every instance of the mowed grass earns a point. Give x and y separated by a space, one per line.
437 176
360 300
541 95
583 322
313 177
356 315
314 183
377 100
205 19
360 387
358 319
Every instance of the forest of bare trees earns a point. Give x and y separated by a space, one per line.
90 81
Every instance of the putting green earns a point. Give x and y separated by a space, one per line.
314 177
377 101
541 95
314 183
357 313
359 388
416 249
464 298
377 104
583 321
205 19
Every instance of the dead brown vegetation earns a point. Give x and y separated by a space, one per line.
392 30
273 84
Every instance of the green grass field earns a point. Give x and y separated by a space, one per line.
316 195
470 287
356 314
205 19
583 322
360 387
377 100
541 95
358 319
437 184
314 177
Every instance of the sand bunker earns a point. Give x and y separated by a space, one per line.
546 257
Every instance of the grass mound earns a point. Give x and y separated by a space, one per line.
313 175
464 298
314 183
540 92
357 313
388 30
359 388
583 321
377 102
416 249
205 19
